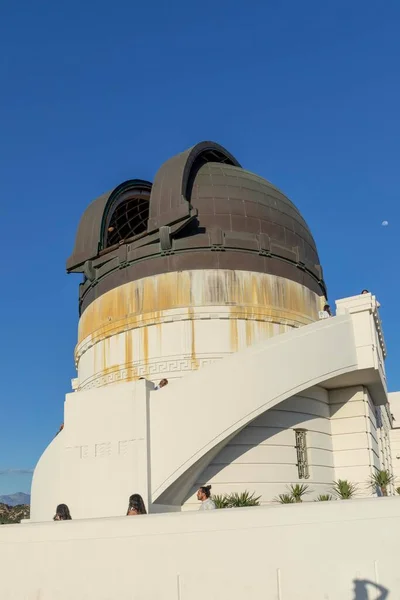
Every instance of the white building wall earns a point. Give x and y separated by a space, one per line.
394 435
262 457
171 324
383 419
356 446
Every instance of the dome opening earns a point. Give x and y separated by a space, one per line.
128 219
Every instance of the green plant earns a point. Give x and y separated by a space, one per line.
343 489
285 499
236 500
298 490
324 498
398 490
243 499
382 480
220 501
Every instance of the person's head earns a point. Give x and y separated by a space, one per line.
365 292
62 513
136 505
203 492
327 309
163 383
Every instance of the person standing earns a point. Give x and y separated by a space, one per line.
203 494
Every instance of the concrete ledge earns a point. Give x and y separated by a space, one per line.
332 550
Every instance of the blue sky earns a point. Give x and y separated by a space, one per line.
306 94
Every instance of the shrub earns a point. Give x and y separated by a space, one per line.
324 498
220 501
381 480
285 499
298 490
343 489
236 500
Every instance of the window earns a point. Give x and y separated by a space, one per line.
126 213
128 219
301 449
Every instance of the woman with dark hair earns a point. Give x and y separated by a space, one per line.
136 505
203 495
62 513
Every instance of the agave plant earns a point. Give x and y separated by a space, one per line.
324 498
220 501
243 499
285 499
236 500
343 489
298 490
381 480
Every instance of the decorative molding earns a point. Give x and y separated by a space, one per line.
149 370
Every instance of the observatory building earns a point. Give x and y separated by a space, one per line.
210 277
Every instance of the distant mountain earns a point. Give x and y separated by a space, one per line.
16 499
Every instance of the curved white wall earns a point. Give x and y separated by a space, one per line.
262 458
174 323
216 403
45 490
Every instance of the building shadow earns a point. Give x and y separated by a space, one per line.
363 589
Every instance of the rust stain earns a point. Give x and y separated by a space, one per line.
252 295
128 348
233 329
145 343
194 361
249 332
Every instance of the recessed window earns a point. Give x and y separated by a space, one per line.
302 456
128 219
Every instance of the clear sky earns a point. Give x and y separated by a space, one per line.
306 94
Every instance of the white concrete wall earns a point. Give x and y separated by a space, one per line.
355 437
120 439
214 404
100 458
341 550
262 458
383 419
170 324
394 435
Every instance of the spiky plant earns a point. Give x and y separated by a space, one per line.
324 498
298 490
343 489
285 499
381 479
221 501
236 500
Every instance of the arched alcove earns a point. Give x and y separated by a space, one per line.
126 213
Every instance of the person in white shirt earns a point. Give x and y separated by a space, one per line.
203 494
325 313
